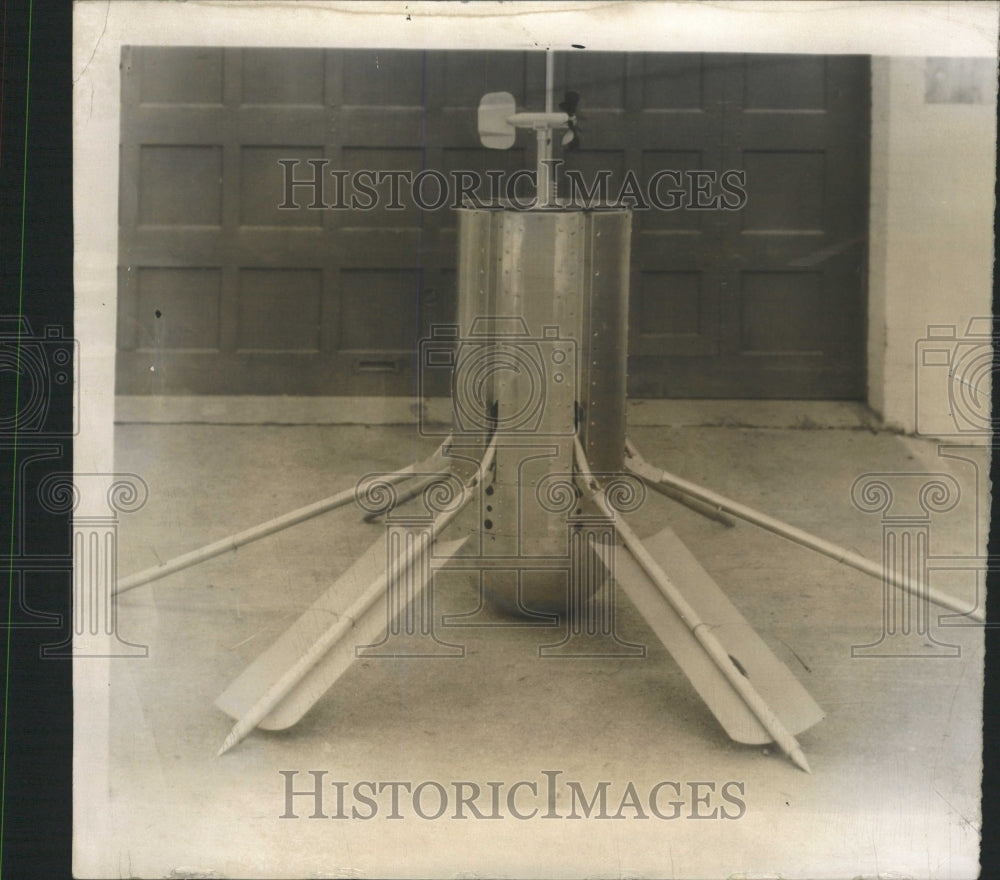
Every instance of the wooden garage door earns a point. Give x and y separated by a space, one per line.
768 300
224 292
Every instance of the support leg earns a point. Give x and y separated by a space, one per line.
247 536
637 465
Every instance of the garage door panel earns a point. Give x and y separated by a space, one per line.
383 213
459 126
797 297
673 310
298 248
389 78
170 246
265 185
804 250
598 77
769 131
680 250
181 75
466 76
797 126
598 170
261 124
180 185
784 82
785 190
266 373
672 82
670 186
375 127
389 248
791 377
178 309
279 310
277 76
378 309
167 123
681 131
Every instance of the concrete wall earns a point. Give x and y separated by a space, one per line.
931 236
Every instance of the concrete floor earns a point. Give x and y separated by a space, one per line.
896 762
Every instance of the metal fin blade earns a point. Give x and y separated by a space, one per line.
326 612
752 657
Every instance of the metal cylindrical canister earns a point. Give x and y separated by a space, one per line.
541 355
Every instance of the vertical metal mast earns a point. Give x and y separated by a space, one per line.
545 186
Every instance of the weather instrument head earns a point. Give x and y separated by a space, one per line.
499 121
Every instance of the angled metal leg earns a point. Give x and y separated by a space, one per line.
247 536
706 510
649 474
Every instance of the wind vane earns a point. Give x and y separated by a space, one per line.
499 121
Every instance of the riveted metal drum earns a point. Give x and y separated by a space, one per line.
541 355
